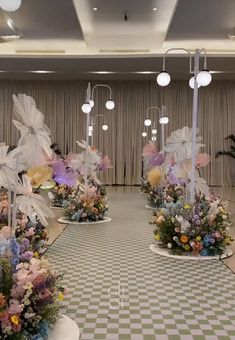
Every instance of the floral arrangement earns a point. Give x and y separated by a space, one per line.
30 292
60 195
88 205
198 229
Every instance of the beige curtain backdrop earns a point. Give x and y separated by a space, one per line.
61 102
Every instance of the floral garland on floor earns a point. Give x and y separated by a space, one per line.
198 229
87 206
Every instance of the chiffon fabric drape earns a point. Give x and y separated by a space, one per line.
61 103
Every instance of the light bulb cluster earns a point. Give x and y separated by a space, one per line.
203 79
86 107
10 5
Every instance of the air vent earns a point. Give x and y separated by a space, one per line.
125 51
40 51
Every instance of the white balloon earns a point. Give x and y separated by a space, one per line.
10 5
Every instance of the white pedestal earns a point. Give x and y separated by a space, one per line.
65 329
165 252
66 221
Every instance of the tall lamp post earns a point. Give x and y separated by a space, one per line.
163 119
86 108
199 78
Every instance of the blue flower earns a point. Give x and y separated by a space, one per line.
43 329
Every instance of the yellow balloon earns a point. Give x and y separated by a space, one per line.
39 175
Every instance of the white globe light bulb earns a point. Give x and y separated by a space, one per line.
110 104
147 122
144 134
204 78
154 138
86 108
164 120
92 103
163 79
105 127
90 128
192 82
154 131
10 5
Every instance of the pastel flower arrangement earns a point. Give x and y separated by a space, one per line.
198 229
88 205
30 294
60 194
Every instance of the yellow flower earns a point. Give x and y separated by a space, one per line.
172 219
186 206
61 296
187 247
184 239
15 320
227 241
157 237
198 238
36 254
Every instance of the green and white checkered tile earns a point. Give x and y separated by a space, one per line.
119 289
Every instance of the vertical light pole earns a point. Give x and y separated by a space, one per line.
86 108
200 78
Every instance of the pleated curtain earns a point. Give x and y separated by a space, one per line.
61 103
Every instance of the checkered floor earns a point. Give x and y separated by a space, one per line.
119 289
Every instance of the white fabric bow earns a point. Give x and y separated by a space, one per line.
32 204
35 135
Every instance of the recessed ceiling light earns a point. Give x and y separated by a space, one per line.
146 72
95 9
102 72
154 8
42 71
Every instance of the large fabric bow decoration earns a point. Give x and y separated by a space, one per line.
179 144
35 135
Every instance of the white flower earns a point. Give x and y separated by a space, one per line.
224 217
35 135
9 166
179 144
169 245
184 224
30 203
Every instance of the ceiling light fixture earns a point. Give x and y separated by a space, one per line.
154 131
154 138
95 9
10 5
41 71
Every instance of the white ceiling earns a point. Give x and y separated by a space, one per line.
71 39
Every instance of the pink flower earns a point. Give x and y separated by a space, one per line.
30 232
202 159
15 307
6 232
